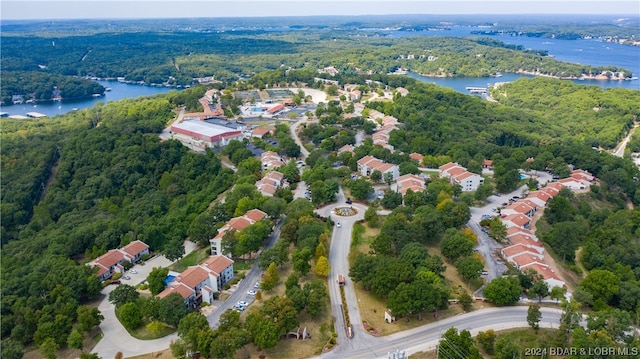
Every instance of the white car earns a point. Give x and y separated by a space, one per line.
133 271
257 285
126 277
251 292
338 224
242 303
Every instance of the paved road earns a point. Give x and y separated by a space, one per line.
245 285
338 259
294 133
115 337
426 337
487 245
166 133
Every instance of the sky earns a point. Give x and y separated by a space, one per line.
120 9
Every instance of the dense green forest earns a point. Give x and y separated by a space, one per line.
599 117
108 180
43 86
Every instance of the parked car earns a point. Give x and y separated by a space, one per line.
338 224
126 277
133 271
348 201
257 285
485 230
116 282
242 303
251 292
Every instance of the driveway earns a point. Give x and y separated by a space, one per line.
115 337
250 279
338 260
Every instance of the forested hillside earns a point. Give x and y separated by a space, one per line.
114 181
43 86
599 117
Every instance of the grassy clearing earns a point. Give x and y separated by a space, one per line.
452 279
191 259
372 310
363 235
242 264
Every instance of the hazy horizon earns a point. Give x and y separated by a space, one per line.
165 9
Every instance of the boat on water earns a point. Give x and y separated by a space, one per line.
107 88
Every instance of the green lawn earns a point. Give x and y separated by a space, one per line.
191 259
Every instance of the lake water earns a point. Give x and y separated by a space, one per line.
118 91
589 52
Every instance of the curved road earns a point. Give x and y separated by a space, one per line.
426 337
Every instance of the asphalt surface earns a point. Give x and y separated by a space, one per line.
426 337
244 285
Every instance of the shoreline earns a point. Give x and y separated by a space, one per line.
535 73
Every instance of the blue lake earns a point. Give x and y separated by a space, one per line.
118 91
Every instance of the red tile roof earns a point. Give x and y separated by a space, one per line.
134 248
255 215
218 263
514 230
238 223
517 249
192 276
525 259
179 288
525 240
518 219
110 258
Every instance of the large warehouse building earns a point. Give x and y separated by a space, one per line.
204 134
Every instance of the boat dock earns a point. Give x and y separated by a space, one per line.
472 89
36 115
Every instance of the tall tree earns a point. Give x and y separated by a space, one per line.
533 317
156 280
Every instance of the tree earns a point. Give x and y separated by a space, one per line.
89 317
388 178
265 332
391 200
10 349
465 301
300 259
172 309
533 317
322 267
122 294
459 346
191 325
361 189
507 349
75 340
270 278
157 279
539 289
557 293
455 245
488 341
317 296
48 348
503 291
130 315
376 176
469 267
371 216
174 249
602 284
401 300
